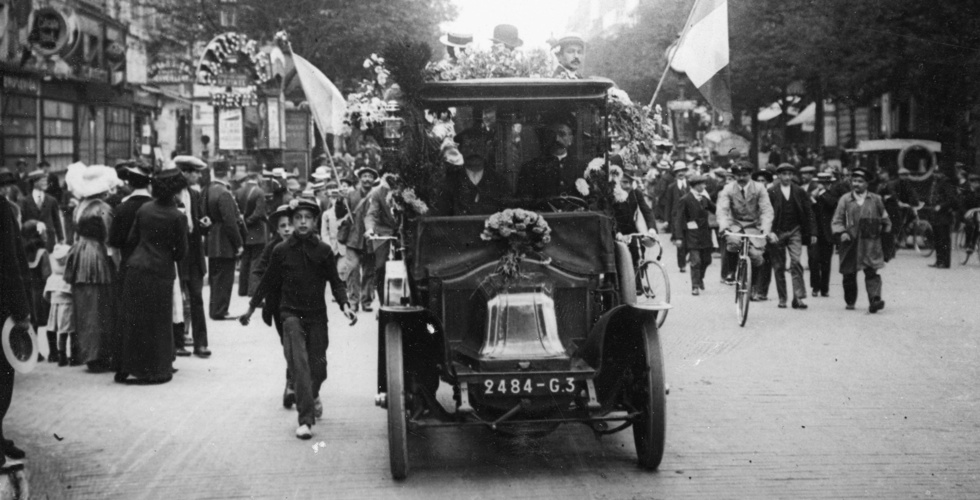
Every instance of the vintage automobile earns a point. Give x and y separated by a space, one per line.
566 344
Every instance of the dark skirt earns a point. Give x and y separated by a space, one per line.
94 325
148 345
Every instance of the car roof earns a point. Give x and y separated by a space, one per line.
497 90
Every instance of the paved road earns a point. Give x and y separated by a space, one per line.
824 403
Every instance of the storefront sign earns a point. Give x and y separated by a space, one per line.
170 70
19 84
230 129
52 32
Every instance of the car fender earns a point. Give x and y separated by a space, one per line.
615 344
423 345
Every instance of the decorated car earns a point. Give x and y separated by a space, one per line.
507 302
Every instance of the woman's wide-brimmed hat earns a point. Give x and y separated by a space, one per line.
507 35
129 170
84 182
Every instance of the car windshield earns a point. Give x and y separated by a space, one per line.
504 149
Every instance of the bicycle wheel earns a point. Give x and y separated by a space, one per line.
655 287
743 289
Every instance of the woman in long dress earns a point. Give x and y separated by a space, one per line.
89 269
159 236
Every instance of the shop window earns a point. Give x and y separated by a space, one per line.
19 130
58 133
118 142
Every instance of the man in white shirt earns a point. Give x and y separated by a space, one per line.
793 226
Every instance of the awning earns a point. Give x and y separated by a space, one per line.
774 110
166 94
895 145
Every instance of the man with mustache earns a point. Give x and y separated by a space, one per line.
571 52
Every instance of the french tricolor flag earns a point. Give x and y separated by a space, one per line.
702 52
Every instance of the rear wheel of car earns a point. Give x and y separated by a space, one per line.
397 432
650 400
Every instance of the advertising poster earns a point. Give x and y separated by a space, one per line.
230 136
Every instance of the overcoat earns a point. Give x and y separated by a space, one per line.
864 224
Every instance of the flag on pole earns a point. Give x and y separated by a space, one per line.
702 52
327 104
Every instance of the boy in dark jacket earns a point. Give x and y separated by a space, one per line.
282 222
300 269
691 229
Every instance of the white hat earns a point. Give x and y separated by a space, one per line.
84 182
321 173
679 165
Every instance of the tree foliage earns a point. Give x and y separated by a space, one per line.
334 35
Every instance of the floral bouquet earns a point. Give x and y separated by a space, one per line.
496 62
523 231
405 201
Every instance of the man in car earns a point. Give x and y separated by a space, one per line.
744 207
472 189
553 173
571 51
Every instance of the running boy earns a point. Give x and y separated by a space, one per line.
300 268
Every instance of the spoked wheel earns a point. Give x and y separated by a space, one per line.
648 395
743 289
397 432
656 288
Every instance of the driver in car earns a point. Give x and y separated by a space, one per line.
554 173
472 189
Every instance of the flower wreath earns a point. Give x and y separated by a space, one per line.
523 231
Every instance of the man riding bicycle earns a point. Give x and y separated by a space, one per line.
744 207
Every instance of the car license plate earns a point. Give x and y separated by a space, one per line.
529 386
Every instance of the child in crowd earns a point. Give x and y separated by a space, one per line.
58 295
281 220
300 268
33 233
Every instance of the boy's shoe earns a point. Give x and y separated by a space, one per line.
304 432
696 291
288 397
317 408
12 451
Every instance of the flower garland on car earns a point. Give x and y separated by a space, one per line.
495 62
523 231
366 108
633 125
405 201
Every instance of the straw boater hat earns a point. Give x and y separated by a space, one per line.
321 173
679 166
276 173
808 170
456 39
570 39
188 163
84 182
35 175
507 35
19 346
825 177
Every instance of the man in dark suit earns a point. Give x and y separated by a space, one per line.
553 173
793 226
472 189
824 205
15 302
692 231
224 240
942 203
251 203
671 200
193 267
41 206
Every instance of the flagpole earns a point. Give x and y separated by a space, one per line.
674 53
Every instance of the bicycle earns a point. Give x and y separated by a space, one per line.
743 276
652 276
921 233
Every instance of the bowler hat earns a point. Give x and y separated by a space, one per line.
507 35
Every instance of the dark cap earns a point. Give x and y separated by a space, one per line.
298 204
281 211
860 172
785 167
220 167
742 167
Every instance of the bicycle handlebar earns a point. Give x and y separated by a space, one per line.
381 238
